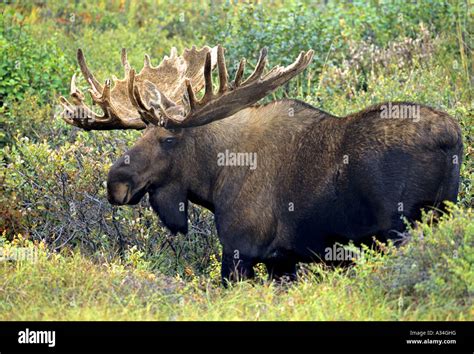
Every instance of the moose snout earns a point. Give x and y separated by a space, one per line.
118 193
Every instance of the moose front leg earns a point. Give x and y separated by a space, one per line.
236 267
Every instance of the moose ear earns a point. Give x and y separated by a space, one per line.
171 204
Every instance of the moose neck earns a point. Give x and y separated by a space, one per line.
204 174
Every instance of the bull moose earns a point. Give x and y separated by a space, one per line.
317 179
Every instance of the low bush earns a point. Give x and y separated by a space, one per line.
429 278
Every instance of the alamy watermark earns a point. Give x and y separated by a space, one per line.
229 158
37 337
343 253
18 254
400 111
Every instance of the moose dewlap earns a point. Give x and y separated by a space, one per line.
319 180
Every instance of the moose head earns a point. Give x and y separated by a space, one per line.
162 101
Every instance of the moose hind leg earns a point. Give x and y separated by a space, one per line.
281 270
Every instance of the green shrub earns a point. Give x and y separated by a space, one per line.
436 263
28 65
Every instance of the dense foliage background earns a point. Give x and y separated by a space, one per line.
52 175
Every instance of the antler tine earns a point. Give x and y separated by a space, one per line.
208 80
167 103
86 72
148 114
239 73
161 98
185 101
73 84
138 98
134 95
174 52
130 85
147 61
262 62
190 95
68 112
103 97
162 103
125 63
222 70
106 92
76 95
78 114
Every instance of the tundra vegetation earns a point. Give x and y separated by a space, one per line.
68 254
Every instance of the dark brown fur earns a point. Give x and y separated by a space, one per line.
344 177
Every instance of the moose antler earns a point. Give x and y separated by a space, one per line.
166 95
157 108
116 104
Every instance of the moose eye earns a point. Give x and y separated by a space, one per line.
168 142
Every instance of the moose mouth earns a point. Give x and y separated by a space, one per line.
137 196
123 194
